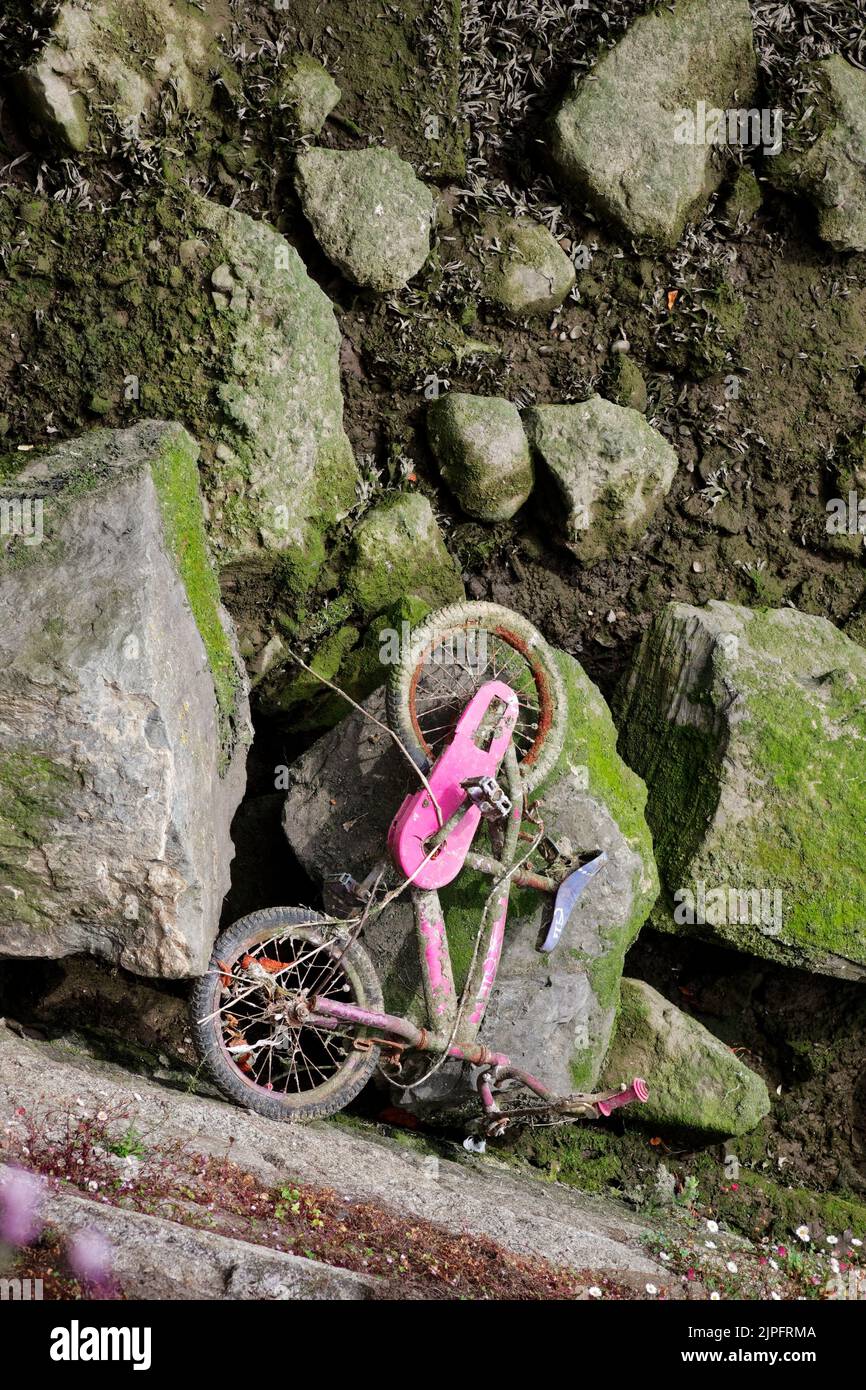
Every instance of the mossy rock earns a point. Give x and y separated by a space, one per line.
371 216
124 722
526 270
111 59
745 724
831 171
399 549
308 92
603 471
695 1082
483 453
615 138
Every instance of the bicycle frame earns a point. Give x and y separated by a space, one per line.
430 839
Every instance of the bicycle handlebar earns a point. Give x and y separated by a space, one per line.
638 1090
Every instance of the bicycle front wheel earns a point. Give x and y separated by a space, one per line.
243 1013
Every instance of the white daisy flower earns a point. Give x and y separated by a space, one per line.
732 1267
855 1241
712 1226
651 1289
832 1240
594 1292
714 1296
802 1233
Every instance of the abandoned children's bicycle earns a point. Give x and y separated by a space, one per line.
289 1017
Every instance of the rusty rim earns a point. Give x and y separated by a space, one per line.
255 1002
441 688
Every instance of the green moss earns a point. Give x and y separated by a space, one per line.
34 792
175 477
760 1206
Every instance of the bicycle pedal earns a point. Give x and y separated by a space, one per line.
488 796
343 895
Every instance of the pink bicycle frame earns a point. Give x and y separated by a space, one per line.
430 839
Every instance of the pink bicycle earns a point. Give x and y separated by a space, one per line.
289 1018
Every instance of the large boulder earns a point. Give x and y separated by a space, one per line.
371 216
748 726
607 470
105 58
695 1081
553 1014
620 138
399 549
483 453
832 171
284 469
526 270
187 310
123 707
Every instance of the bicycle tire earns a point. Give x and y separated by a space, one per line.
514 631
259 928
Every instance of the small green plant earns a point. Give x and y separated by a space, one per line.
129 1145
689 1195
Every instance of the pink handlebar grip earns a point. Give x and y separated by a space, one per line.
638 1090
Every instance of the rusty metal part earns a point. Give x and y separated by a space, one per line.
486 864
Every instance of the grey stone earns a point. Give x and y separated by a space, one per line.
285 470
475 1195
309 92
614 138
526 269
608 469
123 708
482 452
370 214
748 725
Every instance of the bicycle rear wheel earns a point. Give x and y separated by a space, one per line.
453 653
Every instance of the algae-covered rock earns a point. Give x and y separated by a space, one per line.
123 710
371 216
284 470
482 452
608 471
553 1014
695 1082
107 56
398 549
626 384
623 138
743 200
526 269
308 92
748 726
832 171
